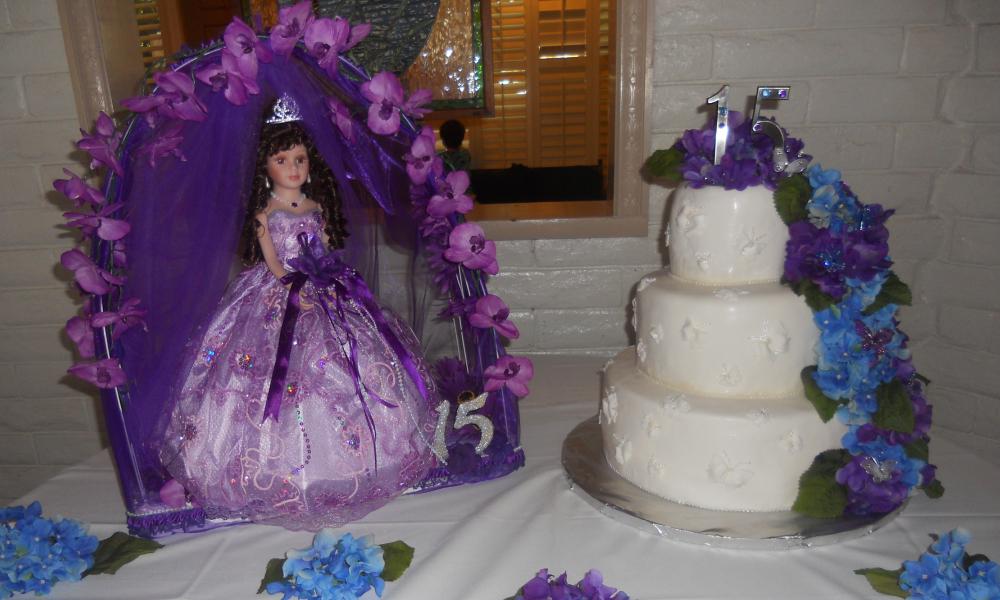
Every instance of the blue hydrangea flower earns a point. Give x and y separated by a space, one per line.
36 553
333 568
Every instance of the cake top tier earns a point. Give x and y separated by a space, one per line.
720 236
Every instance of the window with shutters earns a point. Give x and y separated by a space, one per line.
150 34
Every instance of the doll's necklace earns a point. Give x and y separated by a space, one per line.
292 204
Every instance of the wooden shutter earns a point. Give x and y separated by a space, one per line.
503 139
150 36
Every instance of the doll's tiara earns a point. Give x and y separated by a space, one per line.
285 110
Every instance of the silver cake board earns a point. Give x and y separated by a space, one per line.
593 479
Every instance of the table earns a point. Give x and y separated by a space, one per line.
483 541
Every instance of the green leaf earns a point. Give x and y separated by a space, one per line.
272 573
819 493
666 164
119 550
895 412
884 581
969 559
893 291
398 557
919 450
824 406
791 197
816 298
933 489
520 592
922 378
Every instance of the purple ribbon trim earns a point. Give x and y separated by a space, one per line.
325 270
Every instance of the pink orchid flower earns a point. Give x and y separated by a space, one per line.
91 278
246 47
325 39
77 190
106 373
491 311
417 99
510 372
102 145
98 221
165 143
341 117
451 196
422 159
175 99
79 330
468 245
226 76
292 24
124 319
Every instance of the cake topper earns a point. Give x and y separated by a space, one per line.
772 130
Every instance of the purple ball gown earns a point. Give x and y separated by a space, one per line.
316 466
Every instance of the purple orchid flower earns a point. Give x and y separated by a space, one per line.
416 100
451 196
118 254
246 47
226 76
422 159
124 319
460 307
79 330
292 24
102 145
98 221
164 144
386 95
91 278
491 311
468 245
325 39
175 99
106 373
341 117
77 190
510 372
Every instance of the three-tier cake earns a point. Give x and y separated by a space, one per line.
708 407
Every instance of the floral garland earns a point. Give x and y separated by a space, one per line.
459 251
947 572
837 258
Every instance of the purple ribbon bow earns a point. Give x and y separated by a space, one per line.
327 271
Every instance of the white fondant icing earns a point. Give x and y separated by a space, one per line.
731 295
654 468
610 406
721 470
730 375
656 333
726 217
759 416
721 330
649 426
623 451
645 281
640 351
710 426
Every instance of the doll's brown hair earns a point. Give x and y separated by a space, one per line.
322 188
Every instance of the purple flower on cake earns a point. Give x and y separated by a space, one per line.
492 312
106 373
325 39
102 145
248 49
468 245
292 24
341 117
89 276
79 330
127 317
166 142
226 75
77 190
422 159
510 372
451 195
97 221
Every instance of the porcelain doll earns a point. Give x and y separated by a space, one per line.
299 404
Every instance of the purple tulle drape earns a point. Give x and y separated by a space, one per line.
186 218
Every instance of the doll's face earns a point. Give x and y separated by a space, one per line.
288 169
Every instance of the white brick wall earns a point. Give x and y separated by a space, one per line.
47 421
899 96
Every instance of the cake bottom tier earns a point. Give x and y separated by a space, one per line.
716 453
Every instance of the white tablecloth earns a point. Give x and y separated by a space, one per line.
485 540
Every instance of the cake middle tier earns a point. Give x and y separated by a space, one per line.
748 340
